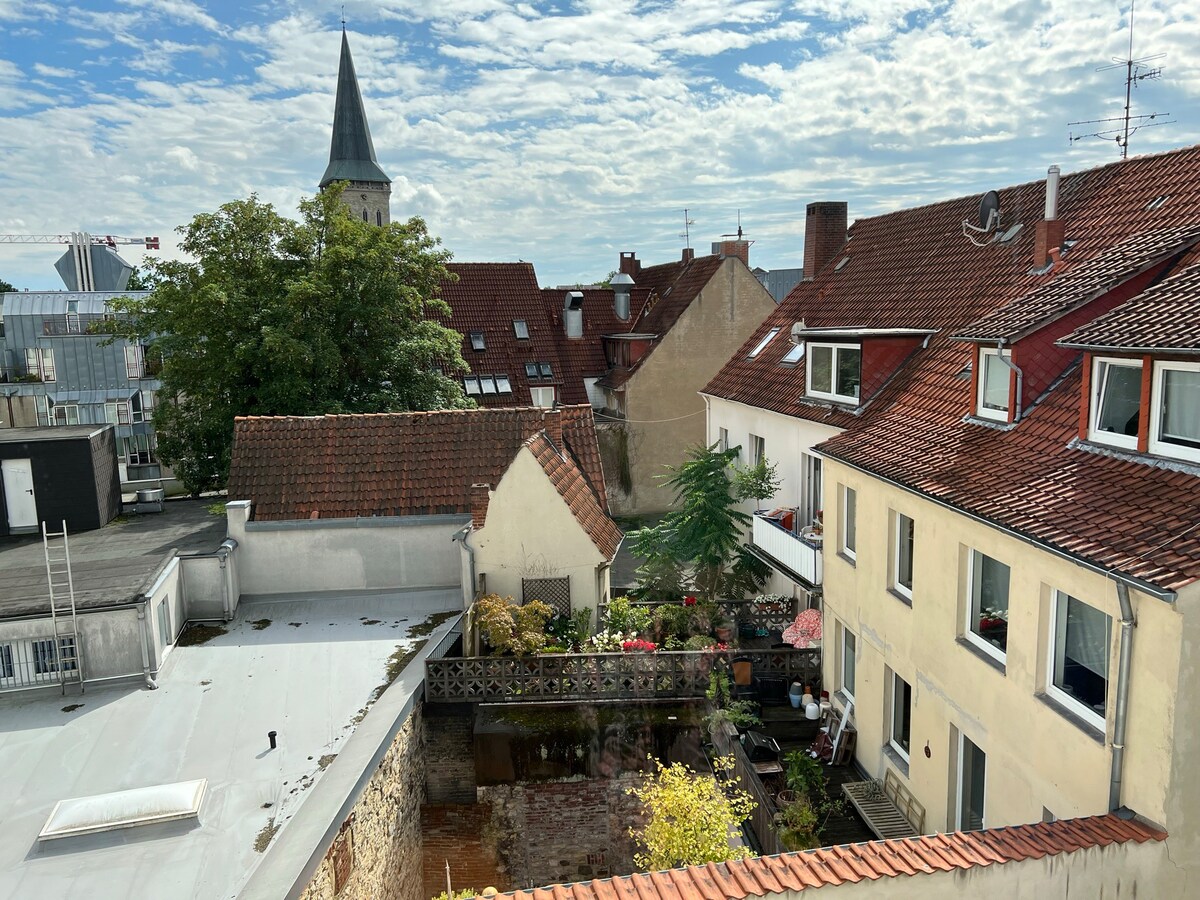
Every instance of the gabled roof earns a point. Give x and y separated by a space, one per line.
852 863
388 464
351 151
1163 319
568 479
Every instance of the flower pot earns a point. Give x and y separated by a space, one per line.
795 694
723 631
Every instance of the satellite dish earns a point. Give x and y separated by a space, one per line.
989 211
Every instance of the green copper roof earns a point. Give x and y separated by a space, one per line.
351 153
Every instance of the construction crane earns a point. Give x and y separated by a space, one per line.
91 263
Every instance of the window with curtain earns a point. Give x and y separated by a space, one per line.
1176 404
1079 651
987 604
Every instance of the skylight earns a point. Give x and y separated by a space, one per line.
762 345
471 385
545 367
520 329
124 809
477 342
794 355
531 370
503 385
488 383
841 264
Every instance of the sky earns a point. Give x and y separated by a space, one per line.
562 133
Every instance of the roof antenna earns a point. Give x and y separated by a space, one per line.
343 17
686 234
1136 71
739 231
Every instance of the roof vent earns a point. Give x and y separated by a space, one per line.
573 314
622 286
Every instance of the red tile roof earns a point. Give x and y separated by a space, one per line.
913 268
1163 319
853 863
388 464
573 487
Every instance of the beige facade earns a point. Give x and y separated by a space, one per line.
664 413
1042 756
531 532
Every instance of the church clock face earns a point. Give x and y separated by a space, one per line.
364 196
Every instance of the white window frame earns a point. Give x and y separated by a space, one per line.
70 413
975 561
831 394
1058 603
1129 442
722 439
794 354
762 345
542 397
849 497
1158 446
847 634
135 361
758 449
40 361
982 411
891 731
959 824
896 584
118 412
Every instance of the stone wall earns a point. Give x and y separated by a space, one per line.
450 754
377 854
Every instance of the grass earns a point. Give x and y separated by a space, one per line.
198 633
216 509
426 628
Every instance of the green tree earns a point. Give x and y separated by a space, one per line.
138 280
277 317
703 534
690 818
5 287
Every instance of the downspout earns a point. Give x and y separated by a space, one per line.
144 630
1122 713
228 545
461 535
1020 376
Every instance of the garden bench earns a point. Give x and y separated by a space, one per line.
896 814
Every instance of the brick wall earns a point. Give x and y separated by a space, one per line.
824 234
463 836
450 754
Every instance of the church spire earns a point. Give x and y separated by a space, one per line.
351 152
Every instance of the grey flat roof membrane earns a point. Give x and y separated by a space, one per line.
124 809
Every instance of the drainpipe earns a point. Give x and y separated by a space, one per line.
227 547
144 630
1020 376
1122 714
461 535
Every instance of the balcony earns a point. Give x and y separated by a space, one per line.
785 549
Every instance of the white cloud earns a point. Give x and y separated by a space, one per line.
53 71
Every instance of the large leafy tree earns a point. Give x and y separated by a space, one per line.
272 316
5 287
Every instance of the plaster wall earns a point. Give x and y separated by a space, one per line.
530 532
344 554
663 410
1038 756
167 610
108 640
207 579
1183 802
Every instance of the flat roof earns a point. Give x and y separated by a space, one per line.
308 675
109 565
49 433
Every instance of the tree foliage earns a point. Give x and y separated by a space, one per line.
5 287
703 534
272 316
690 818
519 630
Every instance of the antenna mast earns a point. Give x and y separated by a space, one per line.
686 234
1136 71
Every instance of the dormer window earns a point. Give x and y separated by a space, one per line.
1175 409
1116 402
993 386
834 372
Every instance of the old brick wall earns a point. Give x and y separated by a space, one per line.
377 856
463 836
450 754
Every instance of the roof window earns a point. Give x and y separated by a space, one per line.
488 383
762 345
1157 202
834 372
477 341
520 329
471 385
1011 232
545 367
794 355
531 370
503 385
841 264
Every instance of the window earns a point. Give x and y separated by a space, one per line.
477 341
758 449
520 329
471 385
849 524
64 414
139 450
135 361
972 775
542 396
488 383
365 214
135 408
6 662
46 659
902 554
531 370
1175 400
987 604
1116 402
810 502
899 736
762 345
794 355
379 217
164 621
834 372
849 659
993 386
1080 637
40 362
117 413
722 439
545 369
503 385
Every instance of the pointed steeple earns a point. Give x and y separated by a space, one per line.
351 153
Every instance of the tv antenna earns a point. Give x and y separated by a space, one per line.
686 234
739 231
1136 71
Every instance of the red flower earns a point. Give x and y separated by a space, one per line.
689 601
639 646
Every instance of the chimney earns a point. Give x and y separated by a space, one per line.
1051 229
573 314
824 235
480 495
630 265
738 248
622 286
552 425
689 253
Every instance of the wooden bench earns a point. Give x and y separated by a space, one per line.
896 814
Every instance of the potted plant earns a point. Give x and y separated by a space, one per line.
726 710
723 630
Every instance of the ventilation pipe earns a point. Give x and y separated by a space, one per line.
573 314
622 286
1122 713
1052 176
1051 229
144 629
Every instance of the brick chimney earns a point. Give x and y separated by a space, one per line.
480 496
689 253
552 425
738 248
1051 229
630 265
824 235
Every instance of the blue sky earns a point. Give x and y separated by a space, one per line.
562 133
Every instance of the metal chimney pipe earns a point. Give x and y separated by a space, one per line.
1052 193
271 735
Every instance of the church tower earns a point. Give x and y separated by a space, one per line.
351 153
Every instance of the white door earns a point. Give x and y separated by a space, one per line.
18 494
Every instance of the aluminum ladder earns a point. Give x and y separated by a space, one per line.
65 658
